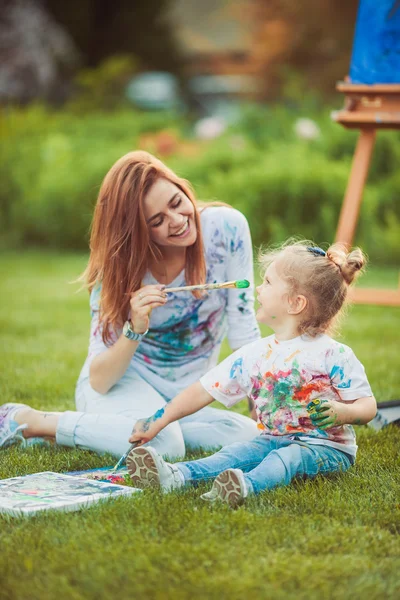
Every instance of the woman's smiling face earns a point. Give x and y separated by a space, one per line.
169 215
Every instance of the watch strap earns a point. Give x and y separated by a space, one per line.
132 335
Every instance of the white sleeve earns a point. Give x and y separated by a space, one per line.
347 374
242 324
228 382
96 344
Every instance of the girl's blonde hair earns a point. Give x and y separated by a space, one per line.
322 277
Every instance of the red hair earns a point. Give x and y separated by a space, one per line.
120 245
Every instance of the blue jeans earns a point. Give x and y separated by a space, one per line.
268 462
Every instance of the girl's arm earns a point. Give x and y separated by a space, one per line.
330 413
187 402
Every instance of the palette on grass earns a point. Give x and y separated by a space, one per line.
29 494
120 476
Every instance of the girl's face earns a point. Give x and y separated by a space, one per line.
273 295
169 215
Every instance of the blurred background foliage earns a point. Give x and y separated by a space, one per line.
54 162
58 143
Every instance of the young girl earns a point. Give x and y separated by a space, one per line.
147 345
307 388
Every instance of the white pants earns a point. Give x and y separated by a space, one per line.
104 422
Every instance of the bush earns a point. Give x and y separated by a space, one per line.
53 167
292 190
54 163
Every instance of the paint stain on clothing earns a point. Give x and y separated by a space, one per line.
291 357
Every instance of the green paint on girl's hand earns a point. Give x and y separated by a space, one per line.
314 405
242 283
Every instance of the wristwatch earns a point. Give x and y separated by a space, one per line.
130 334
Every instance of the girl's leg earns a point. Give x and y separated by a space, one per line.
105 422
241 455
148 469
284 464
213 427
288 460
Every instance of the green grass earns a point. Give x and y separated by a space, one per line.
327 538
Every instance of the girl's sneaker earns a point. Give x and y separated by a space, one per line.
148 469
10 430
230 487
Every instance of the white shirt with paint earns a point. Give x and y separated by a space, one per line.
185 335
282 378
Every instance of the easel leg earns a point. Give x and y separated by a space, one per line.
355 187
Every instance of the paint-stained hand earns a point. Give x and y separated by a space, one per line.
327 413
142 303
146 429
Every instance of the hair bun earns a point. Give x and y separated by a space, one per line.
350 264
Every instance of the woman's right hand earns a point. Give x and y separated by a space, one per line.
142 303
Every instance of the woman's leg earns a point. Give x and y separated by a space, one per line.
213 427
103 423
288 462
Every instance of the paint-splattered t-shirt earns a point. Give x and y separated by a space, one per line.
185 334
282 378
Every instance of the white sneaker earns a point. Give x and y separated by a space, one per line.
148 469
10 431
230 487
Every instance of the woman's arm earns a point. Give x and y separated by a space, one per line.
109 366
330 413
187 402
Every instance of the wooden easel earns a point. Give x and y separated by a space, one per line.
367 108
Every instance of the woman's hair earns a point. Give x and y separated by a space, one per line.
322 277
120 244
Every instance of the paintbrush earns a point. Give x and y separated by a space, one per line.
240 284
124 456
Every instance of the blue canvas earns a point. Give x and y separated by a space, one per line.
376 49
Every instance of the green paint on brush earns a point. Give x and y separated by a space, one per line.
242 283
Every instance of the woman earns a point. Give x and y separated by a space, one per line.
146 345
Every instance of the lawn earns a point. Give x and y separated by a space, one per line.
332 537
